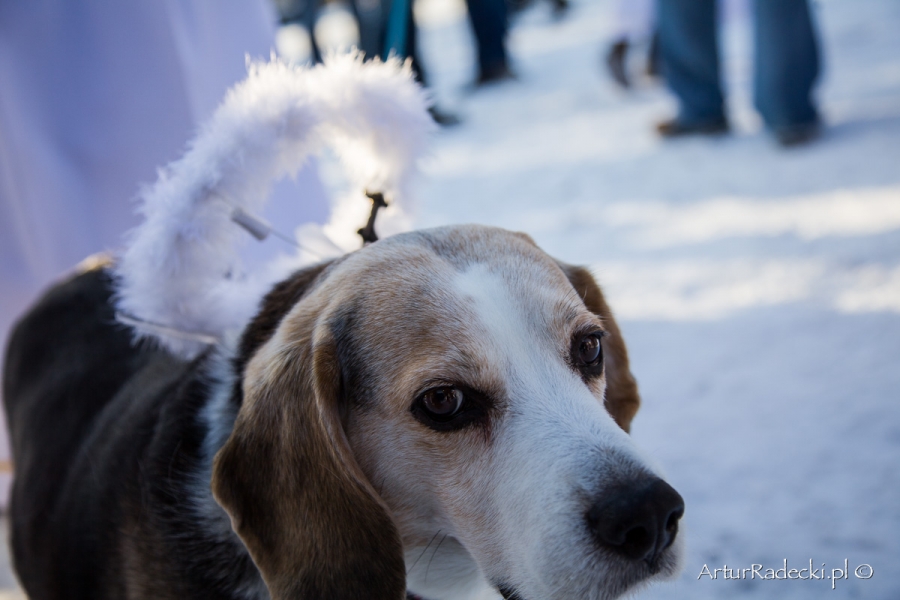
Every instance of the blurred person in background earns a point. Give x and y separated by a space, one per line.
635 27
94 97
786 67
379 28
383 27
395 35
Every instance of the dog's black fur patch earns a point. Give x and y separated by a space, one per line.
106 437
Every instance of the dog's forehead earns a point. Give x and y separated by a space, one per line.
446 269
451 302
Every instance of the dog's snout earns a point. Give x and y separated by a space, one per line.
638 521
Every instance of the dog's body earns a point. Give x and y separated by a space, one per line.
107 442
433 412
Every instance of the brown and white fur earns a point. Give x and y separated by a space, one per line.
313 440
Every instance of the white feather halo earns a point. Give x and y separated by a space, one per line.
175 280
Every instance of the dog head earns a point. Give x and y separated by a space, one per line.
437 410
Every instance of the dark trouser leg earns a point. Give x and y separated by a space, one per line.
489 23
690 58
787 63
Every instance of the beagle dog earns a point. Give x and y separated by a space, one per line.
442 413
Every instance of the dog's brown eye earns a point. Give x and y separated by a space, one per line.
589 352
443 403
451 407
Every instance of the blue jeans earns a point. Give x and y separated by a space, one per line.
786 66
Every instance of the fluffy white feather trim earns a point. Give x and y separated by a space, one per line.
179 278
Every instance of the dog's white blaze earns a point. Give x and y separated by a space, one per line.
555 448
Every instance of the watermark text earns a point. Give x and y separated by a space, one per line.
808 572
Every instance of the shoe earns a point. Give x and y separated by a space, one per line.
676 128
615 62
495 73
443 118
797 135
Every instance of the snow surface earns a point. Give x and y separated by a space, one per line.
758 288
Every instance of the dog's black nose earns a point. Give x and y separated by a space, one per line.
638 521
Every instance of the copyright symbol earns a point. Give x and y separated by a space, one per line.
864 571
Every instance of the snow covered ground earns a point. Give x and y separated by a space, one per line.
758 289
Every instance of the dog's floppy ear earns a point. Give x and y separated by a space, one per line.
622 399
287 477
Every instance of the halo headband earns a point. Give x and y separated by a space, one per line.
180 271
